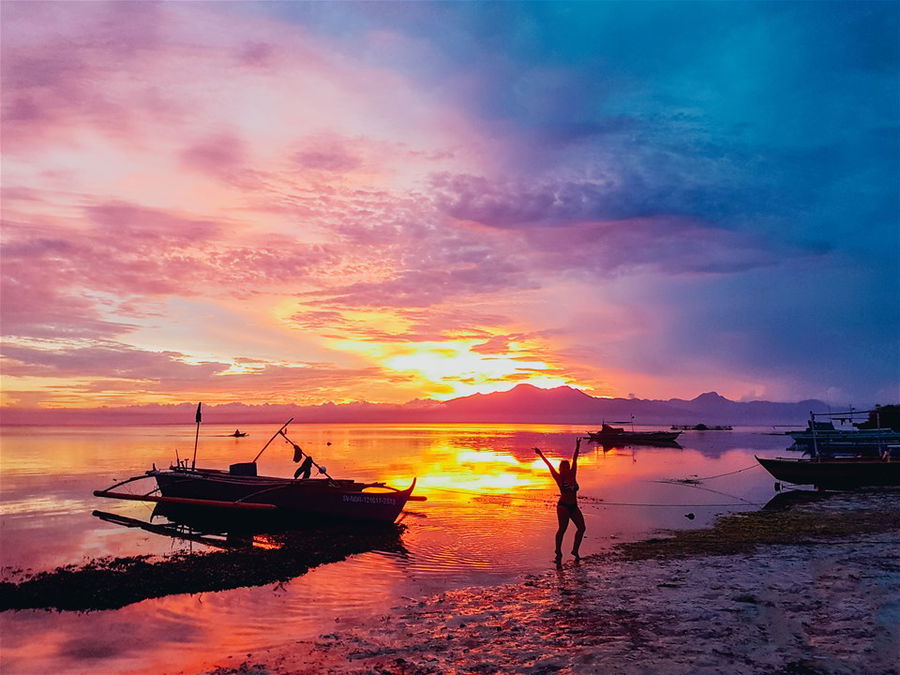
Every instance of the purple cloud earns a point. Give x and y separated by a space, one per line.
106 360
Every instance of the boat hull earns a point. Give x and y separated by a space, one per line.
833 472
310 500
649 438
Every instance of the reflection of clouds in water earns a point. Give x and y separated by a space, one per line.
42 506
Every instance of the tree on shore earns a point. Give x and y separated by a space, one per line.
884 416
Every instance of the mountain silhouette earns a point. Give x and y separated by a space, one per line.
523 403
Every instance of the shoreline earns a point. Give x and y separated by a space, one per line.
811 589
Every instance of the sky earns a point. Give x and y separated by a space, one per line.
310 202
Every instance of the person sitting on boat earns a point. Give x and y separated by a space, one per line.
567 506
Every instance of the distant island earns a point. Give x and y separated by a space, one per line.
524 403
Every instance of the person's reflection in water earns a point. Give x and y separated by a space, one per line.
567 506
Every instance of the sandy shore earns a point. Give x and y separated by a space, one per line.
827 603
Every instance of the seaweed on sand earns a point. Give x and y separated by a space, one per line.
743 532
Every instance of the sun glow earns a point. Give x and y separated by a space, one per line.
450 369
472 471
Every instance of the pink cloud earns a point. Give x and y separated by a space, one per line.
117 373
220 155
327 154
106 360
294 159
131 252
33 303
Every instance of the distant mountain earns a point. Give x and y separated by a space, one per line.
565 405
524 403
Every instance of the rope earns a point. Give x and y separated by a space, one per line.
731 473
688 481
586 500
679 505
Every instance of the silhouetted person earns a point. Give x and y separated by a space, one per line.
567 506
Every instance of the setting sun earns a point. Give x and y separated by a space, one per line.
459 371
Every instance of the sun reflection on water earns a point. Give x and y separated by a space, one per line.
489 517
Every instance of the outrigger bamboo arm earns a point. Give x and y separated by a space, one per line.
184 500
130 480
166 530
274 436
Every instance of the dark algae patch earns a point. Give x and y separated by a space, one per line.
744 532
111 583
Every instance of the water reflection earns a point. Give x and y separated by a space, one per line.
490 517
246 552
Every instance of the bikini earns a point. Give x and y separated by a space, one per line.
568 488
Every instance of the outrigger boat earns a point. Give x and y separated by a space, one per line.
848 464
828 439
609 434
303 498
834 472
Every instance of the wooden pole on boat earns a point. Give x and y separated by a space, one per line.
812 427
297 447
196 436
274 436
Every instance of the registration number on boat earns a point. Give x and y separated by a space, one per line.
368 499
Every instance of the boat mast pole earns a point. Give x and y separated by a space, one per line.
812 426
196 436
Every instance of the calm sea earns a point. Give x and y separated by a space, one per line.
489 518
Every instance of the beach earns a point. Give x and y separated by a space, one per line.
813 588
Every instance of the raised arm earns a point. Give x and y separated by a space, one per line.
553 472
575 456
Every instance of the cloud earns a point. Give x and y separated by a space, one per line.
116 374
344 173
34 304
52 278
327 154
430 287
107 360
672 245
222 156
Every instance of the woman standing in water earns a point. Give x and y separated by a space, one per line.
567 506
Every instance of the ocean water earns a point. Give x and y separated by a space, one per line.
489 518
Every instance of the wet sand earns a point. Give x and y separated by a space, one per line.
811 589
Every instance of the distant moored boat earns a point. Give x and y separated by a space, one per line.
609 434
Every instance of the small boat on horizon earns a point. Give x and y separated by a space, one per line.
240 488
610 434
238 434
